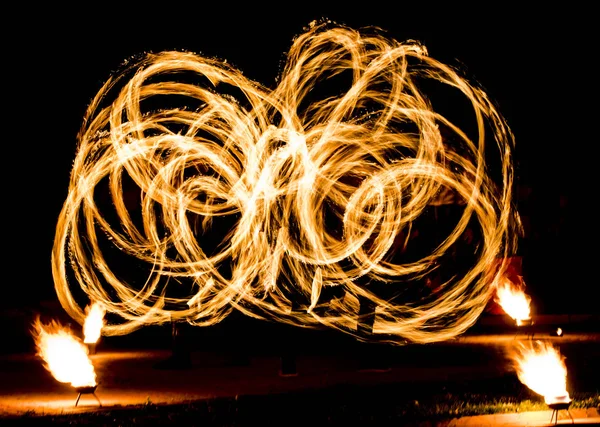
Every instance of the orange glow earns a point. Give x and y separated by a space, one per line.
94 321
277 166
541 368
514 302
64 355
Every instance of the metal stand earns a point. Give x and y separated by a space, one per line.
557 407
527 326
87 390
91 348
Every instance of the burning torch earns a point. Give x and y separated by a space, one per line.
66 357
514 302
541 368
92 327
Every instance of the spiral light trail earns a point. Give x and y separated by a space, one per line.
290 204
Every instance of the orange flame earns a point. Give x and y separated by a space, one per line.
274 160
94 321
514 302
64 355
541 368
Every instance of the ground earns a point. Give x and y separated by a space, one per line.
337 383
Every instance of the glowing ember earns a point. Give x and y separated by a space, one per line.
559 332
94 321
541 368
514 302
226 194
64 355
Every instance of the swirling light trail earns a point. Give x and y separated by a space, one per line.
230 195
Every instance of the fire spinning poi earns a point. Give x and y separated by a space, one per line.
514 302
64 355
225 194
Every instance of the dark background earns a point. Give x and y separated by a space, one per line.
533 61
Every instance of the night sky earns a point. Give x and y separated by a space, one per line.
57 60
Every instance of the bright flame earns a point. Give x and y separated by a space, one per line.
514 302
541 368
94 321
64 355
313 190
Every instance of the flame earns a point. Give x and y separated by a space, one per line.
316 190
64 355
94 321
541 368
514 302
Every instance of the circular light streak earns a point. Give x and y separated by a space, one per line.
196 191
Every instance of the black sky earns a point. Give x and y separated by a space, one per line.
529 59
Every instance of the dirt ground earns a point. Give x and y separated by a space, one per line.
134 377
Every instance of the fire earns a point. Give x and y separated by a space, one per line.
64 355
94 321
514 302
541 368
315 190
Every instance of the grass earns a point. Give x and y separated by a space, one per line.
390 404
